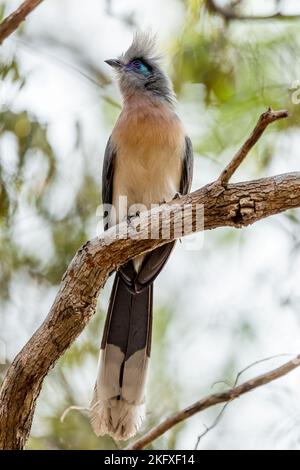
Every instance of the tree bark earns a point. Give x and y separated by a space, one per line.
13 21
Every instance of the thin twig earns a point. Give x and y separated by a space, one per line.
229 13
72 408
253 364
212 400
213 425
13 21
256 363
265 119
238 376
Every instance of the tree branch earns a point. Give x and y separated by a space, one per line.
212 400
265 119
236 205
13 21
229 13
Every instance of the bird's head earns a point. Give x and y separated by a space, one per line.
139 71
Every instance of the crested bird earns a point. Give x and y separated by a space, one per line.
148 160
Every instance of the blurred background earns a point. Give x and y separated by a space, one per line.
232 302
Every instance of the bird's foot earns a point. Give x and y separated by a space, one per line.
177 196
130 217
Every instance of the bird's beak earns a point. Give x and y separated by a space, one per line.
116 64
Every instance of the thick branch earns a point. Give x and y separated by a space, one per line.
212 400
229 13
238 205
235 205
13 21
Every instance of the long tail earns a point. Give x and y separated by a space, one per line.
117 407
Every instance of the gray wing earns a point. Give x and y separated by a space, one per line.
155 260
187 170
108 175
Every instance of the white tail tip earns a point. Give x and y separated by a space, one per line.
118 418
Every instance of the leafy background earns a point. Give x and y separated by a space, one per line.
232 301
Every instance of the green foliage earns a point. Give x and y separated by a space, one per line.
11 71
30 135
242 69
2 11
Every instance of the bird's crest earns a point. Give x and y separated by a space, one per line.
143 47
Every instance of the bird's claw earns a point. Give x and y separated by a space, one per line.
177 196
130 217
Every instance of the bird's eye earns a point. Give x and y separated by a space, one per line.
140 66
136 63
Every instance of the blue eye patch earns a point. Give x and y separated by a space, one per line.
138 65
